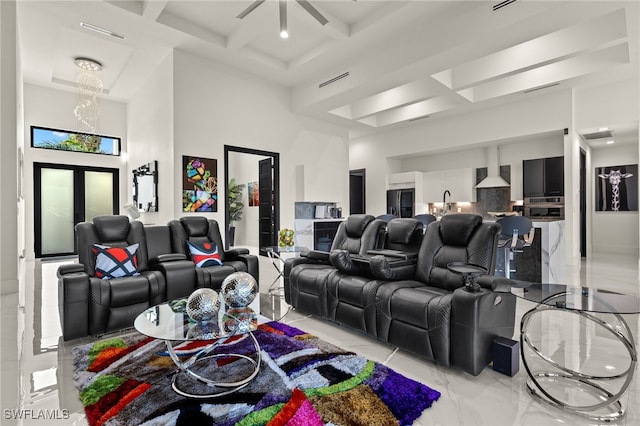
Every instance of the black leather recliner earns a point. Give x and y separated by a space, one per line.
306 276
178 270
200 230
92 306
422 306
431 313
351 291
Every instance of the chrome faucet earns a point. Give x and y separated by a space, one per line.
446 206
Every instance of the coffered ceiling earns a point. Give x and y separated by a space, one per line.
375 65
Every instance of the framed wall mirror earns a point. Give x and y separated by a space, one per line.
145 187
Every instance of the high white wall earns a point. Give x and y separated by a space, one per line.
215 106
45 107
511 152
597 107
614 232
461 137
9 142
538 114
150 138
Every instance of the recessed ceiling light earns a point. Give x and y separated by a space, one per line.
610 142
603 129
101 30
88 64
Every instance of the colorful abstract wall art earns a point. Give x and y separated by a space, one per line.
199 184
617 188
253 193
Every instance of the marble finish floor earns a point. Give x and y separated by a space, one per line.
36 370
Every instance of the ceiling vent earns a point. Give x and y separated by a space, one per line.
502 4
605 134
333 80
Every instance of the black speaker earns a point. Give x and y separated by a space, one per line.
506 356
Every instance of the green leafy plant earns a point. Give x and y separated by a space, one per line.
234 194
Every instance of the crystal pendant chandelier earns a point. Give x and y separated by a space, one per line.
90 88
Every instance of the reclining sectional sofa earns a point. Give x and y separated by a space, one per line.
402 292
125 267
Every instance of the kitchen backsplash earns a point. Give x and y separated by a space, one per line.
488 199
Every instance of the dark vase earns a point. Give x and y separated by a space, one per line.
231 236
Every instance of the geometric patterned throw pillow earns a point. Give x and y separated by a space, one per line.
116 262
204 254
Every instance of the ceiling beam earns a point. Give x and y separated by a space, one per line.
190 28
251 26
416 110
414 91
151 9
605 59
310 55
259 56
334 28
547 48
382 13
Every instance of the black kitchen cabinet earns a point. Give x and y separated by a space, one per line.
553 176
543 177
533 178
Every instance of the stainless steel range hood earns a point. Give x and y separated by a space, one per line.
493 179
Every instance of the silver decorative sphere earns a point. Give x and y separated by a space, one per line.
239 289
203 304
203 331
239 320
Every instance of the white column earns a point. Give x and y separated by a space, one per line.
8 149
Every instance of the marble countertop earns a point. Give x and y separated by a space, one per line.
324 220
494 219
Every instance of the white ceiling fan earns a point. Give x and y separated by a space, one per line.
283 13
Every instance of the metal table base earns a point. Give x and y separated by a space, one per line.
610 401
224 388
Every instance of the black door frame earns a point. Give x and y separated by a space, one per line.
361 173
276 183
583 203
78 199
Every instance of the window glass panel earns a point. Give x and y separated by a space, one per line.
98 193
57 211
71 141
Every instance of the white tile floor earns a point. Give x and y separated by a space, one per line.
36 365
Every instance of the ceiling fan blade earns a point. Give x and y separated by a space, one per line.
313 11
250 9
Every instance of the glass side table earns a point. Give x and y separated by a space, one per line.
561 367
275 254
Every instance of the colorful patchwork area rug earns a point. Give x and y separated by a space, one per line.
303 380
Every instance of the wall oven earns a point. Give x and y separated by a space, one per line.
544 207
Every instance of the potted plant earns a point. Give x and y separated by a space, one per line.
234 195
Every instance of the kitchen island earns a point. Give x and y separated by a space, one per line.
544 261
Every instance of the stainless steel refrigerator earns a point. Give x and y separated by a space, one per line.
400 202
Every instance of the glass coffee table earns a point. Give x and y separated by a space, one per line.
170 322
579 373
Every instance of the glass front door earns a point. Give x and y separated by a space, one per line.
66 195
